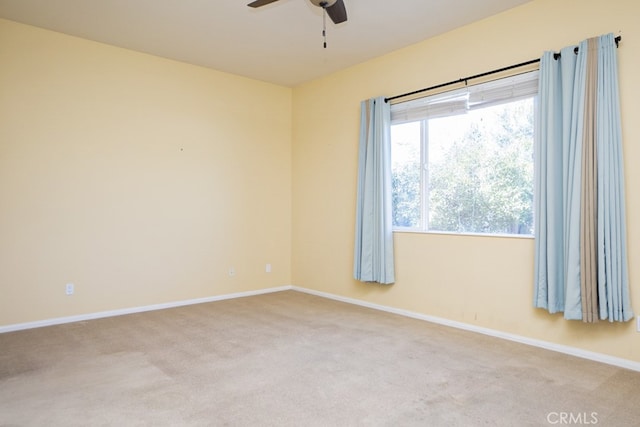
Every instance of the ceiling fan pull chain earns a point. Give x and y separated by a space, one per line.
324 26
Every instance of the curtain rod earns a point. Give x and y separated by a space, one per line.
465 79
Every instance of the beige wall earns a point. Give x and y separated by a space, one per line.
140 180
482 281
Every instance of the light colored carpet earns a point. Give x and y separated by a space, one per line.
292 359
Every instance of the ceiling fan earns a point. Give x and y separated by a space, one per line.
334 8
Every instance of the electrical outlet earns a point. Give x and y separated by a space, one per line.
268 268
69 289
232 271
638 323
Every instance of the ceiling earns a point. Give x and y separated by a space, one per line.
280 43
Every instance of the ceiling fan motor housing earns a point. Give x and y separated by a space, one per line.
323 3
334 8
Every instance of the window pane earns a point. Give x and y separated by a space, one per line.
406 176
481 170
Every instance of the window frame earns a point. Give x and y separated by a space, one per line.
524 86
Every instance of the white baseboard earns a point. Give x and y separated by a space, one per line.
597 357
132 310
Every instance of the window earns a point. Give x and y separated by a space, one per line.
462 161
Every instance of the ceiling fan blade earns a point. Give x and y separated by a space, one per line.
337 12
259 3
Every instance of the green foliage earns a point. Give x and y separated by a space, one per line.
406 194
482 182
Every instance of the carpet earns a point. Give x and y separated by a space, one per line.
293 359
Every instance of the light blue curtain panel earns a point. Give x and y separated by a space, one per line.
580 234
373 254
613 277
